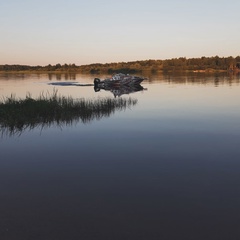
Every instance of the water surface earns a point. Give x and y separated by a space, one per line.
166 168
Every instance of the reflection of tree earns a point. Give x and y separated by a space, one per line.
216 79
59 76
17 115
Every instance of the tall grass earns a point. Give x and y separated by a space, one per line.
17 115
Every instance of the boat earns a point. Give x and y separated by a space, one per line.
118 79
118 90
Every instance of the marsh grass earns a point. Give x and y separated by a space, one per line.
17 115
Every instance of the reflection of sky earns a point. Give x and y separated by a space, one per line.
181 100
36 84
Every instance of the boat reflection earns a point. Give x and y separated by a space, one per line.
119 90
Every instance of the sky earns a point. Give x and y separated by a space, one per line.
34 32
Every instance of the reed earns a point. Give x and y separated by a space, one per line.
17 115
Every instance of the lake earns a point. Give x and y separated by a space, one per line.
167 167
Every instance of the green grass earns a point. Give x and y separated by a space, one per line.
17 115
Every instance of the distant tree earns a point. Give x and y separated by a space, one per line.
58 66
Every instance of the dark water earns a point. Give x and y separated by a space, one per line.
167 168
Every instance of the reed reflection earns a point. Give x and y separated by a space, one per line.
18 115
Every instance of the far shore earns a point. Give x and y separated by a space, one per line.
175 65
105 72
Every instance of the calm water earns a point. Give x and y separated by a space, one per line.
166 168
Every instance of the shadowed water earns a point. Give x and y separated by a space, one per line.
165 168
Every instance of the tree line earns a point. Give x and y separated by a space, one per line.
204 64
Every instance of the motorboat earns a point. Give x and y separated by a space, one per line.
118 79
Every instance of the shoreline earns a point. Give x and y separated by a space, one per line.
106 72
175 65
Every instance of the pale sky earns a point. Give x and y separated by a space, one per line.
35 32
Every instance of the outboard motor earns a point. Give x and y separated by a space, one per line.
96 82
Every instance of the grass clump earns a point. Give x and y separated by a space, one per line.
17 115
